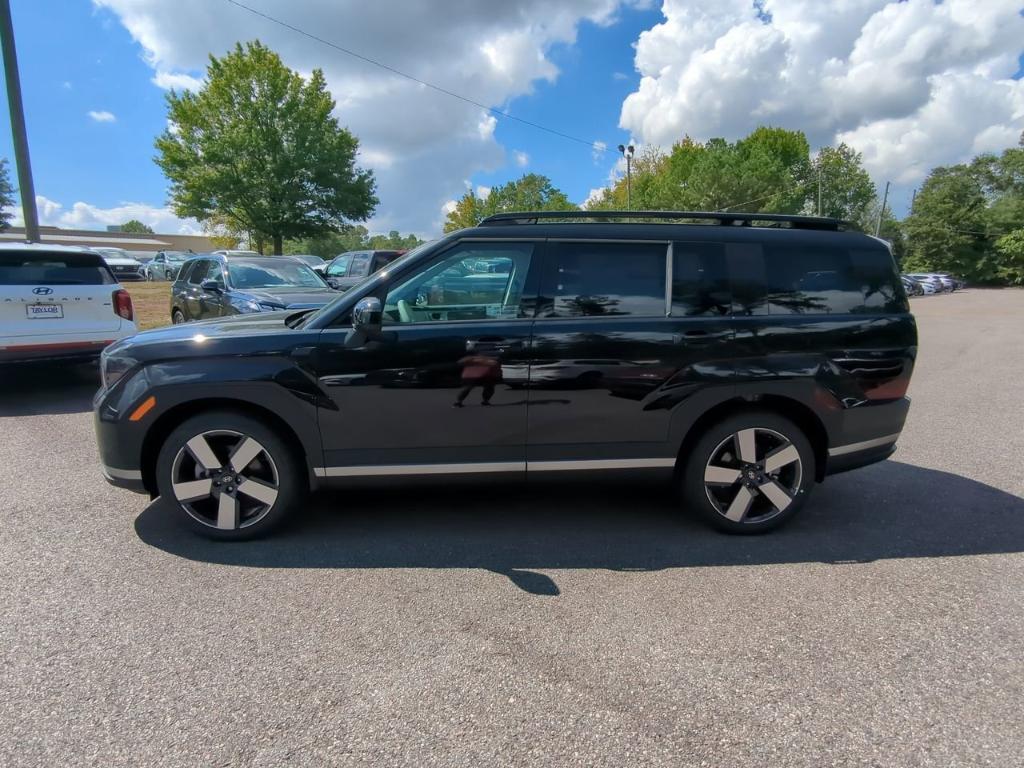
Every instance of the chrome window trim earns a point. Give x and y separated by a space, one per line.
668 279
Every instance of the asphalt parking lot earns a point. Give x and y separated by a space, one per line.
551 626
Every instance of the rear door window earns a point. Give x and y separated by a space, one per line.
33 268
360 265
700 282
603 279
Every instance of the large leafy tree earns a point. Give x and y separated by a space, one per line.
766 171
259 148
532 192
6 195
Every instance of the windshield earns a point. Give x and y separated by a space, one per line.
177 256
379 275
272 274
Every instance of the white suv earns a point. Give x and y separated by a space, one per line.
59 302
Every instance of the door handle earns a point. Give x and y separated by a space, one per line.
693 337
494 343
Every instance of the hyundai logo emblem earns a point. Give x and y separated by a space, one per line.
42 291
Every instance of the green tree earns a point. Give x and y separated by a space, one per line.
847 191
1011 251
766 171
532 192
946 228
354 238
258 146
6 195
137 227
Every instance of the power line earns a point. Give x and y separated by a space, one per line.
594 145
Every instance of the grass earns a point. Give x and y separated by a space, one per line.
152 302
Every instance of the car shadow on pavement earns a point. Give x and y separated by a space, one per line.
33 389
890 510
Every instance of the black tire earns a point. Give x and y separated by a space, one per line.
763 495
177 316
195 475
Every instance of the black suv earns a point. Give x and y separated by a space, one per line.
747 356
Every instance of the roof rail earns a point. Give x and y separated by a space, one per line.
713 217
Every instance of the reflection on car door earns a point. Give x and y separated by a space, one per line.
614 351
434 379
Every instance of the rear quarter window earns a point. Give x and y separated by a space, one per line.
794 278
53 269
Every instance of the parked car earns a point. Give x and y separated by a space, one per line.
912 286
165 265
58 302
347 269
312 261
125 268
681 351
234 252
216 286
929 281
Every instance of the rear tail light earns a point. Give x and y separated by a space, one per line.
123 305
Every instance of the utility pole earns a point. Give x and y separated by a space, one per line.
28 192
881 211
627 152
819 189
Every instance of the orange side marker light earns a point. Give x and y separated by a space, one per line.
145 407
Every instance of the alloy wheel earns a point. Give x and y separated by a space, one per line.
753 475
225 479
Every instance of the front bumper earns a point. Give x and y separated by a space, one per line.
129 479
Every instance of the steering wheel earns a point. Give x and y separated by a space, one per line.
404 312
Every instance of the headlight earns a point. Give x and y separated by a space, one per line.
113 367
257 306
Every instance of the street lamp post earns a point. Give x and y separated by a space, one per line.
627 152
28 195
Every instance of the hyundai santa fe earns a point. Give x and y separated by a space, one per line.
744 357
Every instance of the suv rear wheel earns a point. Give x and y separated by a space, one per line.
230 476
749 473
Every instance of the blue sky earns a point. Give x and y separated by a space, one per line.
578 72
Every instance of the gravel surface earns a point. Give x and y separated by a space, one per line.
558 626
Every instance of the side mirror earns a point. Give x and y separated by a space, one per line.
367 315
210 286
333 283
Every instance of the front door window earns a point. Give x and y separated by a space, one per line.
473 281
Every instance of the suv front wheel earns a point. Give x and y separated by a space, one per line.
229 475
749 473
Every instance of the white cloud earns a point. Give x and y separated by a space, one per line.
102 116
178 81
482 191
599 151
86 216
490 52
522 159
910 84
